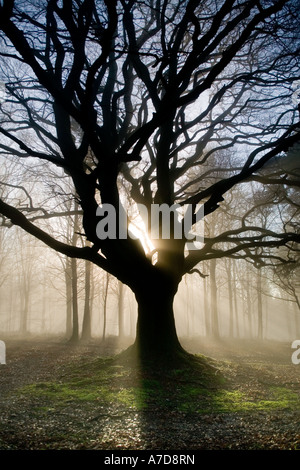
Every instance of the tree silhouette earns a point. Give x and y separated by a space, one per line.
139 99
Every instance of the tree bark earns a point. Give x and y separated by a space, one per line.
156 336
249 305
213 300
43 307
87 317
75 326
236 313
25 312
121 309
187 311
230 301
105 306
259 306
68 281
206 308
297 319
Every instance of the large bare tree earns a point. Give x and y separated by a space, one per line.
149 102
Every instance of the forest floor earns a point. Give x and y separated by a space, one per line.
58 396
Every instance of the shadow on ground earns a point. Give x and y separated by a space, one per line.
231 396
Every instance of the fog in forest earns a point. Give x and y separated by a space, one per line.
43 295
203 109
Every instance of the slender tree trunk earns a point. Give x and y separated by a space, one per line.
213 300
249 308
132 313
289 324
11 309
297 319
68 282
121 309
193 327
187 311
230 301
25 311
206 308
266 310
259 306
75 325
105 306
86 324
43 307
296 305
236 313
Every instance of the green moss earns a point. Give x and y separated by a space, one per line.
80 384
228 401
192 390
61 393
133 398
285 397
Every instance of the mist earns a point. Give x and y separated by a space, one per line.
235 300
149 225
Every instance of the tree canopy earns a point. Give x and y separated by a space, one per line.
150 102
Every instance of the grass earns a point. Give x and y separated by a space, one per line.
198 388
235 401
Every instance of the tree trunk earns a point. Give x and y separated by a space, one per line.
105 306
156 336
86 324
236 313
249 305
43 308
206 309
266 314
68 281
121 309
259 306
25 311
187 311
289 325
11 310
213 300
230 301
297 319
75 329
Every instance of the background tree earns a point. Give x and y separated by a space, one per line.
88 302
154 90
